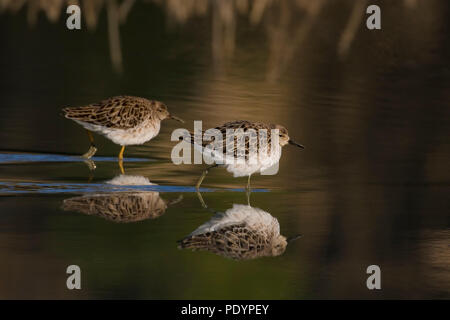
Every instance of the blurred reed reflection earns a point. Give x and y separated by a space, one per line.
287 23
121 207
240 233
435 251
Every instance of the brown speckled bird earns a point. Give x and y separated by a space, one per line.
120 206
240 233
257 157
125 120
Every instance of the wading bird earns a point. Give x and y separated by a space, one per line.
125 120
265 155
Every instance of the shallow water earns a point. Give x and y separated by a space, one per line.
371 187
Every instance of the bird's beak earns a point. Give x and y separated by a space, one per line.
296 144
175 118
293 238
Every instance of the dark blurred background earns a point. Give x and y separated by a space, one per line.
371 106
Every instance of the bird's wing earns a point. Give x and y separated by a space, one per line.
118 207
121 112
234 241
231 146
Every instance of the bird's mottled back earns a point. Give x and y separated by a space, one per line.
241 233
119 207
121 112
238 242
247 127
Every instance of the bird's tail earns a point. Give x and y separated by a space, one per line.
78 113
67 112
196 242
64 112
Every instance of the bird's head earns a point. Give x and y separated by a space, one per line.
279 245
281 242
284 138
162 112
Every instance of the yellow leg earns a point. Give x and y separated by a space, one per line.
92 149
91 137
121 153
122 171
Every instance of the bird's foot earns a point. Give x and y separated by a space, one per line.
91 164
90 153
180 197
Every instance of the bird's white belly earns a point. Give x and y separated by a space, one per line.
248 167
258 163
125 137
254 218
238 166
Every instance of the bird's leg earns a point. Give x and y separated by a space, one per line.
121 153
91 165
172 202
199 182
122 171
248 184
204 175
199 195
121 160
248 190
92 149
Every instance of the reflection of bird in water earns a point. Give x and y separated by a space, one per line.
128 206
124 120
256 155
241 233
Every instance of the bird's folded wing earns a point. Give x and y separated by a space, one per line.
118 113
